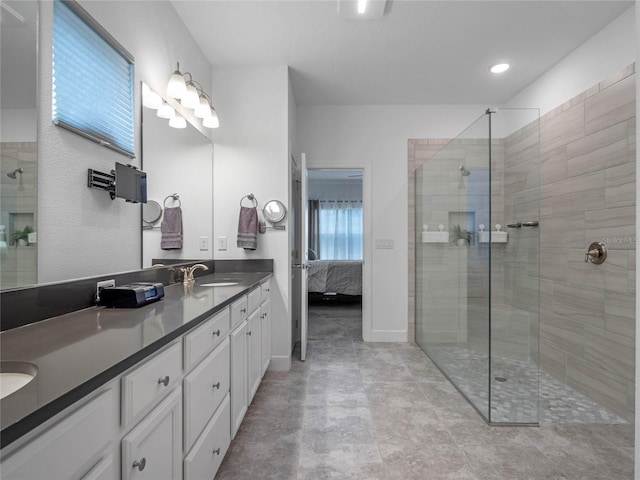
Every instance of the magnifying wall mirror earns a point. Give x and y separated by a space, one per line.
274 211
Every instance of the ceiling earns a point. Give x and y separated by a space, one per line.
419 52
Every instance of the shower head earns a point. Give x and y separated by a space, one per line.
463 171
14 174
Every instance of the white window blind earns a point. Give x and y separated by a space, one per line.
92 80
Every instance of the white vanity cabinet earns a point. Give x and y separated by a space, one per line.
172 415
265 329
153 449
239 340
73 446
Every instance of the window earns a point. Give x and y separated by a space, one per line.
340 229
92 80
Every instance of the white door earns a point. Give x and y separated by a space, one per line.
304 257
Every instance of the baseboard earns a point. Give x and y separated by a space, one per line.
280 363
388 336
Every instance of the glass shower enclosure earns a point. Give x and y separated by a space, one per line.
477 264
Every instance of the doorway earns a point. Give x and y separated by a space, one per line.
335 244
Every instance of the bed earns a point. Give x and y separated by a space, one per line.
341 277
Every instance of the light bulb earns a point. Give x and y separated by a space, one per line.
362 6
178 122
211 121
150 99
203 109
500 68
176 87
191 99
166 111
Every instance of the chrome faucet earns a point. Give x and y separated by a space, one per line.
187 272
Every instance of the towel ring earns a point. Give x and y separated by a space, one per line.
175 197
251 197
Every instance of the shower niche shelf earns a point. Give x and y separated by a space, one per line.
494 237
435 237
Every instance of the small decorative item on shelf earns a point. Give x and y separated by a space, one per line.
461 236
21 237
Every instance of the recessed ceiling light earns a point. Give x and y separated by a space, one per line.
500 68
362 6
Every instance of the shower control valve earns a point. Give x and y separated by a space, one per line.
596 254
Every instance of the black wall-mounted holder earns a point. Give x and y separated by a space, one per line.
103 181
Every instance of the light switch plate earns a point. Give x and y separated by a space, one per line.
385 244
222 243
204 243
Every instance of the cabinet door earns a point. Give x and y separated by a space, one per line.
239 402
265 335
254 357
153 449
104 470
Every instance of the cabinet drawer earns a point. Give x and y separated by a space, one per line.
64 450
204 338
265 289
151 381
239 311
254 298
206 456
204 388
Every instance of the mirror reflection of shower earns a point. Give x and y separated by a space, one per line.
14 175
463 173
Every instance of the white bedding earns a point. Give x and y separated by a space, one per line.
335 276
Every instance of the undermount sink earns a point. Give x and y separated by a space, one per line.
14 376
218 284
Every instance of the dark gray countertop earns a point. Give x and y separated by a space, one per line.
78 352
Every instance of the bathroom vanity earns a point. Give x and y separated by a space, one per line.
152 392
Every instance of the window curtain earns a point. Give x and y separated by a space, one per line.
340 229
314 230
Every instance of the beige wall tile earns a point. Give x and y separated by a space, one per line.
598 151
610 106
562 128
611 352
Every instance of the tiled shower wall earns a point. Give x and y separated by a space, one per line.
587 190
588 186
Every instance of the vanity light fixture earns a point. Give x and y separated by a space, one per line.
166 111
499 68
177 121
362 6
211 121
176 87
150 99
183 87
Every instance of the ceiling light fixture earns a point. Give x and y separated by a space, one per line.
362 6
183 87
166 111
500 68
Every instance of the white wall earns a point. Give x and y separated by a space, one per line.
607 52
18 125
251 152
376 137
81 231
637 392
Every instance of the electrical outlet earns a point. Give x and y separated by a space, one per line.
103 284
204 243
222 243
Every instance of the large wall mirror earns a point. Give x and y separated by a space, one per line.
19 146
179 167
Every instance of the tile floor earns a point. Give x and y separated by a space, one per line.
359 410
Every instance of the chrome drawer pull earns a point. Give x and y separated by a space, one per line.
216 385
217 451
216 333
243 310
140 464
164 381
248 333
